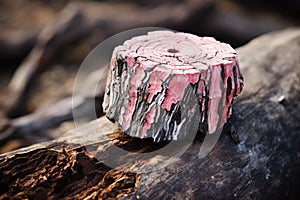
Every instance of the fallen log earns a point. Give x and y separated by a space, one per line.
264 165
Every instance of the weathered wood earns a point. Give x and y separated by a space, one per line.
163 83
264 165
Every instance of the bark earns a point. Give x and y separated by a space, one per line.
264 165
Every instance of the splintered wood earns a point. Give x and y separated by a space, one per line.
164 84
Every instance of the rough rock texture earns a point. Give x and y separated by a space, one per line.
264 165
164 84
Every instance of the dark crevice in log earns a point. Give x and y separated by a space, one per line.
131 144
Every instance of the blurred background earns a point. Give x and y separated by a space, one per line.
43 43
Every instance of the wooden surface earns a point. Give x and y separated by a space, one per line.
264 165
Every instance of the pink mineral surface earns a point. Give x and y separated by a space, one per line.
162 83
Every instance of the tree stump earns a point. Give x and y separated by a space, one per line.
165 84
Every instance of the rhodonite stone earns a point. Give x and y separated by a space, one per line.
163 83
